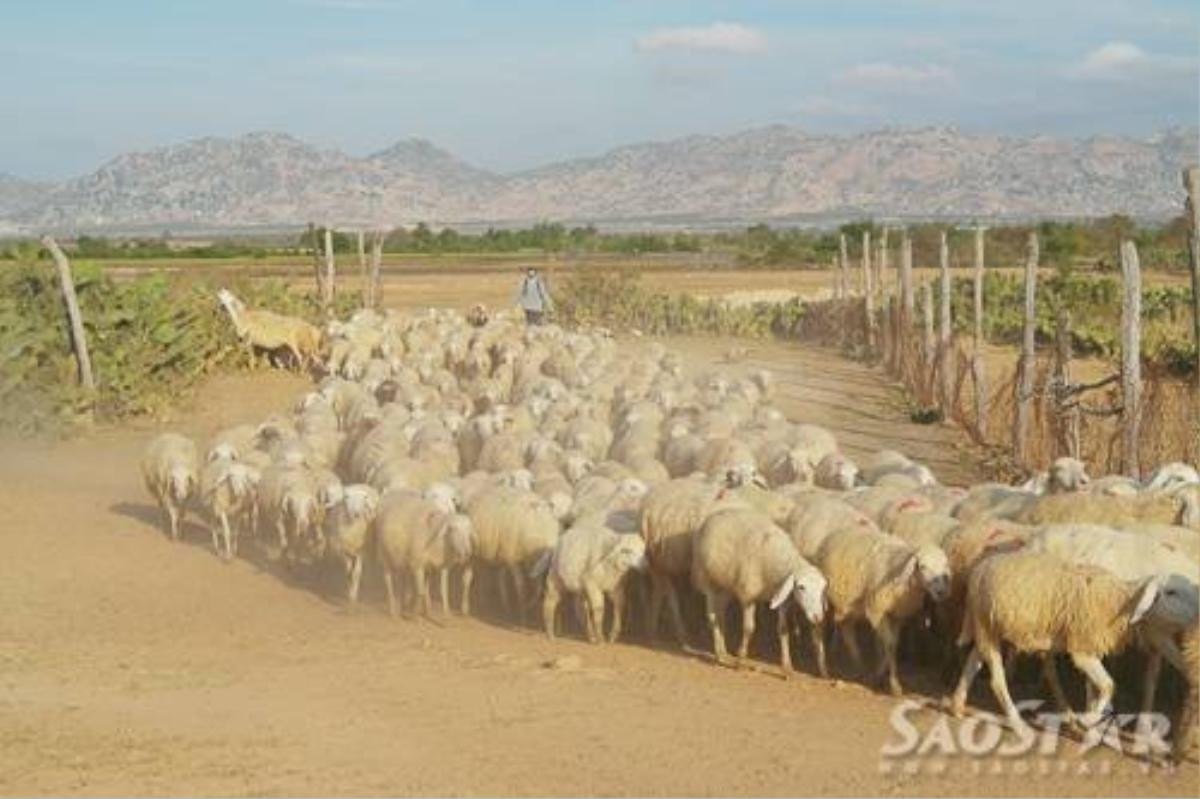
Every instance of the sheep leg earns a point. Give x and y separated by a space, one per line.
995 664
444 587
355 578
421 591
714 611
1096 674
468 573
1150 681
595 603
1050 673
816 634
889 640
676 613
173 519
550 599
618 606
215 532
519 590
393 610
971 667
227 534
850 641
785 642
747 633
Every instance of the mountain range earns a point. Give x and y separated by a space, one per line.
273 180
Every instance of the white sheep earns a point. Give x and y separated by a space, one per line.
512 529
882 580
170 466
229 494
837 472
412 536
1039 603
346 526
670 514
591 561
739 552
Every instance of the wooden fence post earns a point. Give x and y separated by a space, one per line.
327 283
1066 413
66 283
1131 359
868 290
946 359
881 265
1191 181
362 269
377 241
843 265
978 377
1025 366
927 341
318 275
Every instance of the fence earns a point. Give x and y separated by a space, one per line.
1032 407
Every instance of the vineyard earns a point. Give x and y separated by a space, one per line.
152 339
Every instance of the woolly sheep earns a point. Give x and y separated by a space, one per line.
836 471
1171 475
414 535
817 516
1115 511
170 466
1039 603
346 526
512 528
670 513
882 580
592 561
289 504
1187 728
739 552
228 494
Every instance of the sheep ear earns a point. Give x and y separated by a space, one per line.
784 592
908 569
1145 599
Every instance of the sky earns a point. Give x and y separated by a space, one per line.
512 84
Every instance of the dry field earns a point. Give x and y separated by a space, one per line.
132 665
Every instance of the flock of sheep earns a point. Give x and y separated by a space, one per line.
563 466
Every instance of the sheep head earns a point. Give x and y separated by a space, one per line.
1067 474
628 553
1172 475
807 586
181 482
444 496
460 537
1167 599
931 568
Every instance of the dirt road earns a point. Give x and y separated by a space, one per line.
132 665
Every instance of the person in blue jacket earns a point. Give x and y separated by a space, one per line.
533 297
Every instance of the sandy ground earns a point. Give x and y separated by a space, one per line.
129 664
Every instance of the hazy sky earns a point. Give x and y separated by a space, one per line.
508 84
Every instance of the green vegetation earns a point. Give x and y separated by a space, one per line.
616 298
150 340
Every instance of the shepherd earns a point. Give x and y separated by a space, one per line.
533 297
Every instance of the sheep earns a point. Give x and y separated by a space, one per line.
1115 511
917 528
1186 728
593 561
289 503
836 471
170 467
670 513
889 462
512 528
414 534
816 516
883 580
1039 603
740 552
1129 557
228 494
346 527
1171 475
271 331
